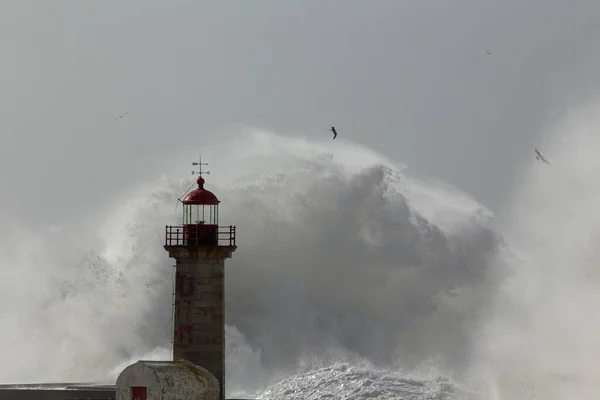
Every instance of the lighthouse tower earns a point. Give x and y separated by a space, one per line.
200 247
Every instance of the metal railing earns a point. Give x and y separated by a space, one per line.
199 235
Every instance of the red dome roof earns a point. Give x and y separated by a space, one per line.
200 195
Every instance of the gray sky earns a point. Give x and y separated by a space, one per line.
406 78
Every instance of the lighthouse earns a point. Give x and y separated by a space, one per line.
200 247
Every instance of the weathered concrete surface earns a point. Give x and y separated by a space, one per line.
202 312
199 331
168 380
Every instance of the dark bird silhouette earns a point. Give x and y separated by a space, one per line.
539 156
121 116
334 132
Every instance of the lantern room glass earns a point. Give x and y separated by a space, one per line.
205 214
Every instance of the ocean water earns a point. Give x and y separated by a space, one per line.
352 280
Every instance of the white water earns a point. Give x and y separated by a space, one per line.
352 280
542 340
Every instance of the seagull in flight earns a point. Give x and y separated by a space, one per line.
486 52
334 132
121 116
539 156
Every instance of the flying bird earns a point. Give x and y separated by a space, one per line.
121 116
334 132
486 52
539 156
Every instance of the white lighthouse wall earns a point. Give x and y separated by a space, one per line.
168 380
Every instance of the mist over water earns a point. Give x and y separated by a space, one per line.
342 258
542 338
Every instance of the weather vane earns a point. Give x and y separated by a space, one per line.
200 164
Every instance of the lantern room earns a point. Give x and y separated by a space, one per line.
200 206
200 217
